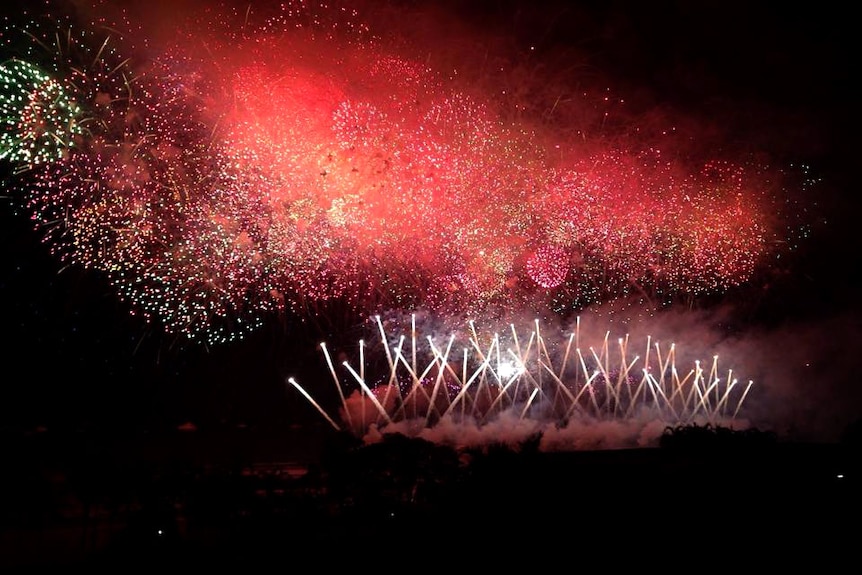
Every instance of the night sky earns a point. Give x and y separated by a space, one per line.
776 78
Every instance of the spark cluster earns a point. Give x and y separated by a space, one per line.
268 162
40 119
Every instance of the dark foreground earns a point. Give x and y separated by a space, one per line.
721 500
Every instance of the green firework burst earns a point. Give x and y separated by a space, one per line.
39 120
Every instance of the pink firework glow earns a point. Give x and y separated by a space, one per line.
263 161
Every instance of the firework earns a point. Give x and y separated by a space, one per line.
290 159
526 378
40 120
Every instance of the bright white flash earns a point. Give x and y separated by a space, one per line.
508 369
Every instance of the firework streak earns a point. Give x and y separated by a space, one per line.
280 161
519 384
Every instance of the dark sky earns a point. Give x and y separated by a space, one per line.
782 76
